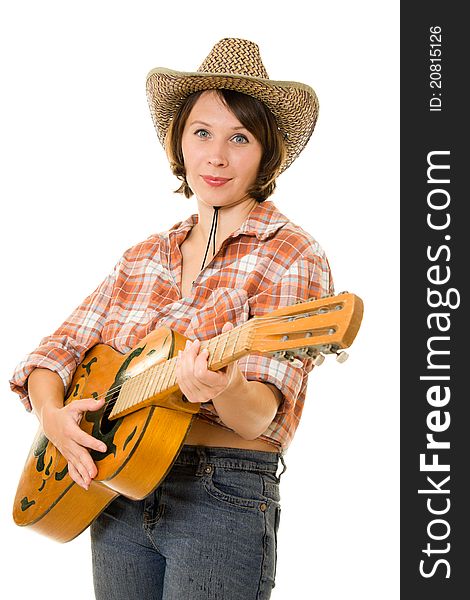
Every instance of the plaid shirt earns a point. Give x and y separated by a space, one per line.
267 263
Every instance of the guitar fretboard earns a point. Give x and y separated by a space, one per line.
223 349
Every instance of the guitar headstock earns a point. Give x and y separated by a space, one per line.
310 328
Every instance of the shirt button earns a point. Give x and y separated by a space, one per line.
263 506
208 469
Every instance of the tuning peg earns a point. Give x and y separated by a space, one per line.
310 351
319 360
291 356
341 357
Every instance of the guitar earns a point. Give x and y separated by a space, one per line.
145 417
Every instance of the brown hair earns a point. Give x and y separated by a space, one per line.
253 115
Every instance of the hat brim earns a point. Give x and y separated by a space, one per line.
294 105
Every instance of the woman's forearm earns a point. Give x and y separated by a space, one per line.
46 391
248 407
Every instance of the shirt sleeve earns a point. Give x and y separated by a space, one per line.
64 350
307 277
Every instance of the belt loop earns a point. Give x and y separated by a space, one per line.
281 456
201 455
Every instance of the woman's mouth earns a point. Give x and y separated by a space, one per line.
215 181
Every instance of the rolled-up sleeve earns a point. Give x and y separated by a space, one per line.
307 277
64 350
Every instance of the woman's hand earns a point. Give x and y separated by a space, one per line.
61 427
195 380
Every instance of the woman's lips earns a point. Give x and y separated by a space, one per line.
215 181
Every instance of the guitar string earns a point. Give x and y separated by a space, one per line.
254 323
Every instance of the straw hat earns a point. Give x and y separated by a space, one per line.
236 64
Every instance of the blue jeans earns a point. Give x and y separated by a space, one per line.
208 532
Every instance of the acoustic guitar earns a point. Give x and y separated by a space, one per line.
145 417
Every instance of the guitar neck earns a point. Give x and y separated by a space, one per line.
310 328
160 378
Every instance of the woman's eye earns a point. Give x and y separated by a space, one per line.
240 139
202 133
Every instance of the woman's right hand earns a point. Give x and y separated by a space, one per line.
61 425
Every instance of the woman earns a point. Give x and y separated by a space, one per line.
209 530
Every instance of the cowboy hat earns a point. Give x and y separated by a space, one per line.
235 64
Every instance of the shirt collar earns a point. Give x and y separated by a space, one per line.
263 222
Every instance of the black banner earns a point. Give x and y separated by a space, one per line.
434 253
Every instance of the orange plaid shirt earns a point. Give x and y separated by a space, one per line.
267 263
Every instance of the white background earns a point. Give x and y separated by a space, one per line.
84 177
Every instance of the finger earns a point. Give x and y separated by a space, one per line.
204 375
88 441
76 453
75 475
186 380
80 475
74 433
186 358
196 389
198 377
191 391
86 404
79 407
192 348
227 326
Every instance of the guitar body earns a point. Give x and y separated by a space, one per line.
141 446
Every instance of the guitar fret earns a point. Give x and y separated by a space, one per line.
134 390
142 382
236 340
172 380
157 388
127 395
148 391
166 376
160 372
122 396
216 341
227 336
138 386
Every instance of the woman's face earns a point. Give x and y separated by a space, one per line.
221 156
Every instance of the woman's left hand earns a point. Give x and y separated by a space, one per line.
195 380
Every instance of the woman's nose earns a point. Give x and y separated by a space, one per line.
217 156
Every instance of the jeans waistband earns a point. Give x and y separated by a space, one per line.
231 458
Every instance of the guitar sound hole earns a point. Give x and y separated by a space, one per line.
106 425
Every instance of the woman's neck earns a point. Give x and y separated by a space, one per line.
229 220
